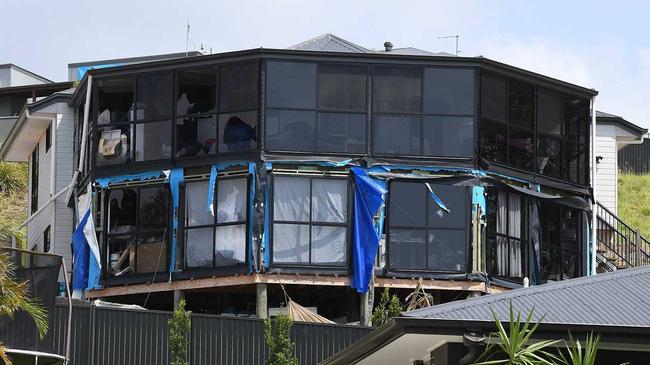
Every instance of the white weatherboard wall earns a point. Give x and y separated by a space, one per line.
58 215
607 168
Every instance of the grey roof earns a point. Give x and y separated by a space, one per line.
329 43
620 298
607 118
26 71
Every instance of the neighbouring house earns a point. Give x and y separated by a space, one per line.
223 177
609 305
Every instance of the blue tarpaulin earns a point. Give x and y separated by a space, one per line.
214 171
105 181
368 198
251 214
175 179
81 256
81 70
437 199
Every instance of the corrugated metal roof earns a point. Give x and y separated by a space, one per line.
620 298
329 43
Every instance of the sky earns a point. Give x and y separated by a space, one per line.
596 44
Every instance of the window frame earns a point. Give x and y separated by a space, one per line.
426 228
579 247
34 176
311 223
524 239
135 234
317 109
562 138
47 238
48 138
422 115
183 226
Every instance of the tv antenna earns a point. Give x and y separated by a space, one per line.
188 42
446 37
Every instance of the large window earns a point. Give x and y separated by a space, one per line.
138 230
216 240
423 112
534 129
34 182
507 232
422 236
561 235
310 220
315 107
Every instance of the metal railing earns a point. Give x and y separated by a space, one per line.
618 242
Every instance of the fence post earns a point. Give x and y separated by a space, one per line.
638 248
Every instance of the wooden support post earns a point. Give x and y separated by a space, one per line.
261 301
178 295
367 303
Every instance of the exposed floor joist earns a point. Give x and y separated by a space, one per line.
286 279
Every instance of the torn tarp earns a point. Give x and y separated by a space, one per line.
175 179
437 199
214 171
105 181
368 197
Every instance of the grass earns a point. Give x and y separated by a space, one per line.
634 201
14 179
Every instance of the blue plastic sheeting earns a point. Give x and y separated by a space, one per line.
81 252
437 199
341 163
251 214
368 198
214 171
105 181
175 179
81 71
478 198
388 168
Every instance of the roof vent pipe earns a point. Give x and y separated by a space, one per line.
388 46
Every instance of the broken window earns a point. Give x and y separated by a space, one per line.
310 220
560 238
115 99
336 124
237 131
422 235
153 97
197 91
153 141
507 235
219 240
138 230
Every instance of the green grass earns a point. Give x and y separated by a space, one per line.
634 201
14 178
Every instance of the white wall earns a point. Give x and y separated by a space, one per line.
19 78
607 168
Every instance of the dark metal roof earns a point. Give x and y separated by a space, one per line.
28 91
620 298
138 59
328 42
606 118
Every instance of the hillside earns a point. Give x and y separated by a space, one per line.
14 178
634 201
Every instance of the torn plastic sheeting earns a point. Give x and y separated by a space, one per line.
175 178
378 169
251 214
437 199
342 163
105 181
478 198
214 171
570 201
369 196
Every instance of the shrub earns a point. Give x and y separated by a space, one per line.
276 336
179 331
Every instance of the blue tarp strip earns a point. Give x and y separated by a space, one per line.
437 199
214 171
251 215
81 252
81 70
388 168
368 198
105 181
175 178
307 162
478 198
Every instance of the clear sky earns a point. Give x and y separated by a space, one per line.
597 44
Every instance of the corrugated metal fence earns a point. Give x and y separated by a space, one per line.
635 158
103 336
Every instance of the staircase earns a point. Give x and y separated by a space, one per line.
619 245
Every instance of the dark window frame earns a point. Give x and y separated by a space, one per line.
34 175
562 138
47 239
48 138
183 225
137 232
578 244
493 234
426 228
422 115
311 223
317 109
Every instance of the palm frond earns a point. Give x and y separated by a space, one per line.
576 355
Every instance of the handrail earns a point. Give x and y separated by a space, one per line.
624 245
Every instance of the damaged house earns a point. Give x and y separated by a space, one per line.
328 169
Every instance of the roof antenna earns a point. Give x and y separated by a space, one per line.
187 38
452 36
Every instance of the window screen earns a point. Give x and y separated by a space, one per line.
154 97
219 240
138 230
342 87
396 135
153 141
114 101
397 90
340 132
448 136
291 84
290 130
448 91
421 235
238 87
560 240
197 91
310 220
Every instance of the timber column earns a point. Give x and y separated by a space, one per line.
261 301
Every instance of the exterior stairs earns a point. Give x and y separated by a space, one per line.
619 245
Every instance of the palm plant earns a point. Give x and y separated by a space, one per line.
575 355
512 347
14 296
